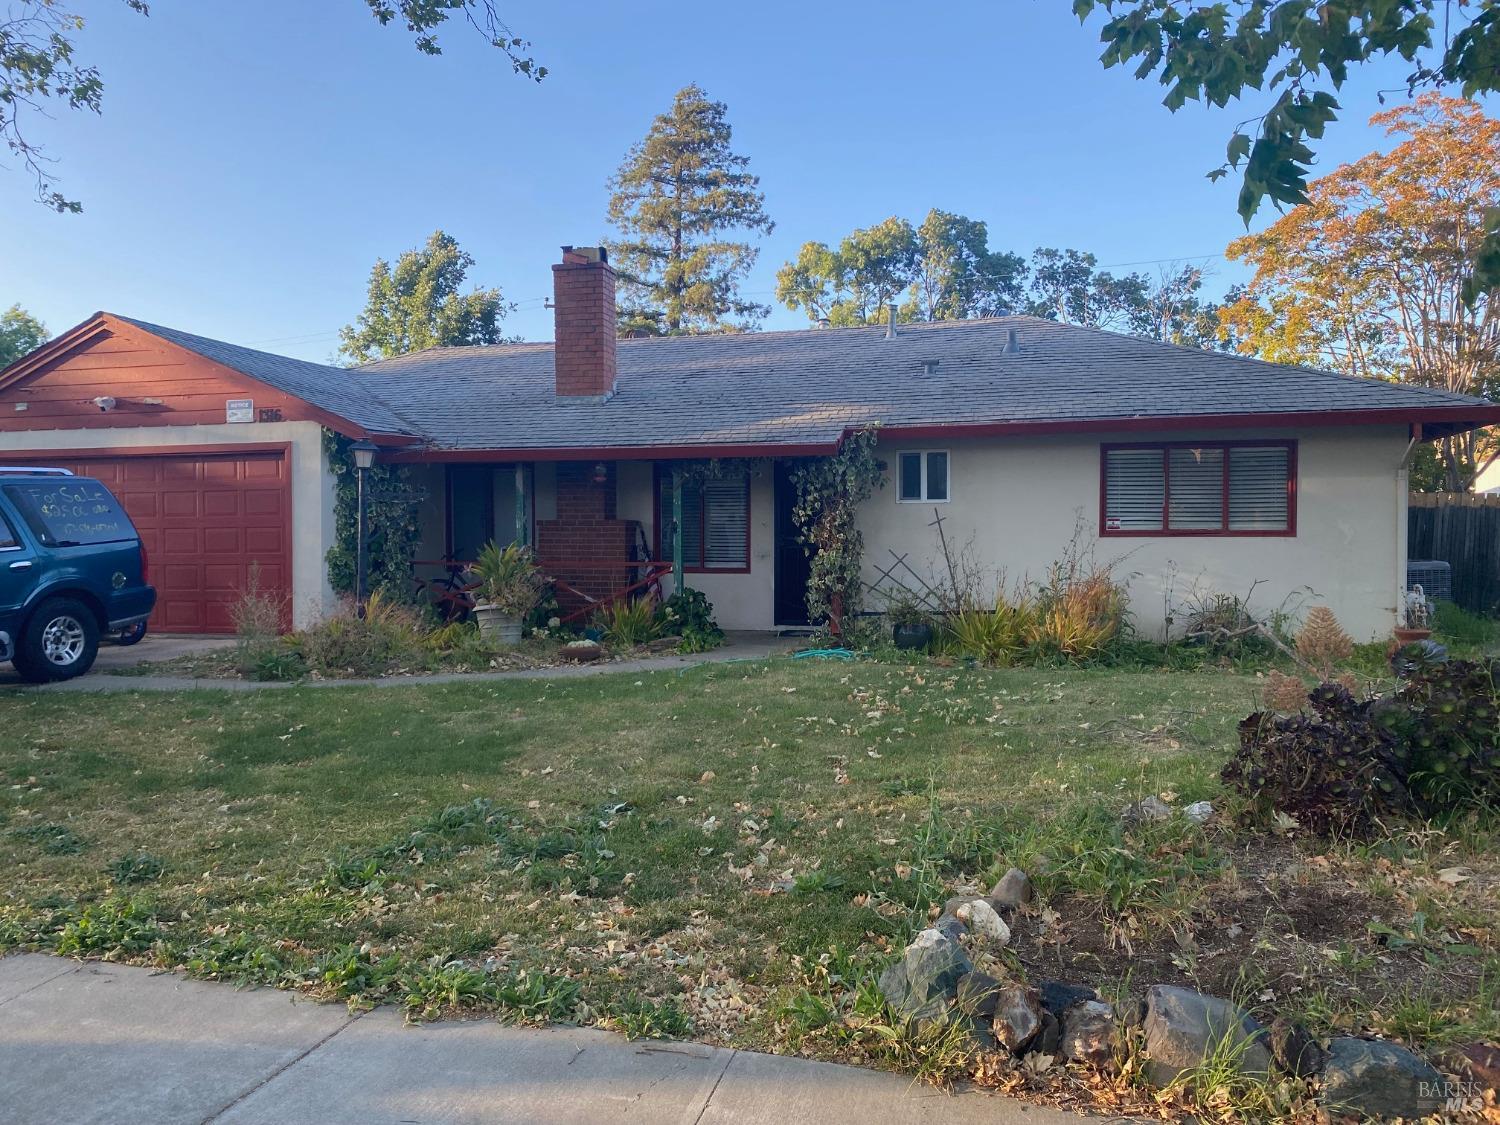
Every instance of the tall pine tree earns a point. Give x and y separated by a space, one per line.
679 200
419 304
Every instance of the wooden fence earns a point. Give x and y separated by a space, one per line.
1462 530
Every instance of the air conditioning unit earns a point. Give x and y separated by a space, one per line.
1435 578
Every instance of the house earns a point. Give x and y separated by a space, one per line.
1202 473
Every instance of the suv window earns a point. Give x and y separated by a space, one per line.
70 511
7 536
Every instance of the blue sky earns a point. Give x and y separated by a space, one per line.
254 159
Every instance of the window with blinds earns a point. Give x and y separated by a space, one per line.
1218 488
715 523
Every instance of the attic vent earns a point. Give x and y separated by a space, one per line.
1011 343
929 367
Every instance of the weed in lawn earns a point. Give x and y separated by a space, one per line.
239 958
439 986
52 839
355 973
139 867
530 996
110 929
639 1017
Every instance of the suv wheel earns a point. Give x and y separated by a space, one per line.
59 642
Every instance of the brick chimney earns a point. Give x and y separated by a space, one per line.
583 287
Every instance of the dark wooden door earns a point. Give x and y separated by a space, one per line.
792 562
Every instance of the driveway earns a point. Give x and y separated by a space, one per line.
115 658
120 1045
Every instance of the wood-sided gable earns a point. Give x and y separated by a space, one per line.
153 381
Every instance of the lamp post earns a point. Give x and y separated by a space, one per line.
363 452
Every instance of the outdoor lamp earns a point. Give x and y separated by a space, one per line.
364 456
364 453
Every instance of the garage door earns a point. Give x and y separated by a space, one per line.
208 521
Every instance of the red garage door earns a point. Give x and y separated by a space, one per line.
206 521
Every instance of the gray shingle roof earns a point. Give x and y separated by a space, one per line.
328 388
808 387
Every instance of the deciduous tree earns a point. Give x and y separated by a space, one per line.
420 303
39 70
20 332
685 204
941 270
1299 52
1370 276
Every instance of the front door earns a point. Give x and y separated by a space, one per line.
793 565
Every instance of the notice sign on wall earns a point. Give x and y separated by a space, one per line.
239 410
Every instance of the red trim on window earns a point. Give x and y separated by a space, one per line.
662 472
1222 532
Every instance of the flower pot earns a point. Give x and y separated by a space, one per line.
580 653
497 626
912 636
1405 637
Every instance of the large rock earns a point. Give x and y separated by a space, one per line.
1012 891
1048 1040
923 983
1147 809
1294 1049
1379 1079
977 994
1088 1032
950 927
1184 1029
1058 997
1017 1017
981 917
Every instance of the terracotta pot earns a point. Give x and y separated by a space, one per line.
580 654
1405 637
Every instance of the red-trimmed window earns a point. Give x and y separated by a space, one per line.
1199 488
715 523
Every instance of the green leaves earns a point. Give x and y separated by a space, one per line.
679 200
1219 52
420 304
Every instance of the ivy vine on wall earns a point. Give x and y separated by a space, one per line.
393 531
829 493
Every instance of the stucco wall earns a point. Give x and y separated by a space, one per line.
312 486
1016 502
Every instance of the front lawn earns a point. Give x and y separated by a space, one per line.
728 851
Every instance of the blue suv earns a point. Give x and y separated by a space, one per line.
71 570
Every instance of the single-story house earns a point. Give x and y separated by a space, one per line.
1201 472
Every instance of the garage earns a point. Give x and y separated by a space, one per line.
208 521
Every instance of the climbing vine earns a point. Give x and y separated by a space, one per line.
829 493
392 515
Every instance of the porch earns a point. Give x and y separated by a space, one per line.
605 529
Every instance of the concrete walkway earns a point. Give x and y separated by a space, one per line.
740 646
115 1044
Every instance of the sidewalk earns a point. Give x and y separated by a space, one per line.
115 1044
740 646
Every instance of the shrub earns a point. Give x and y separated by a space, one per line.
994 636
1080 614
387 636
1448 717
1335 771
509 579
629 623
1322 641
690 615
256 614
1226 629
1458 626
1284 693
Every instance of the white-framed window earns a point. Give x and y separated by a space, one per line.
922 476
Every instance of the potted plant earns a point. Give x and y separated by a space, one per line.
508 586
1416 617
911 625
